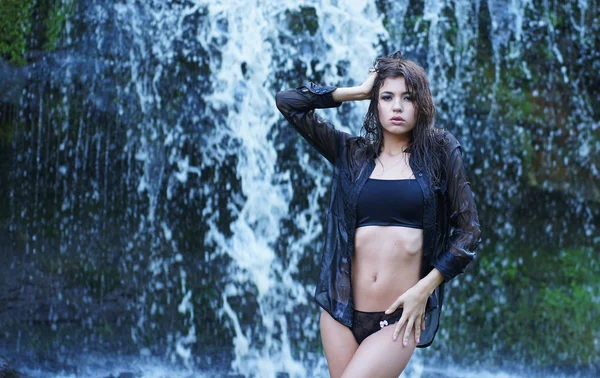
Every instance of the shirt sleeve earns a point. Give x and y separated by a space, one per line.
298 105
464 221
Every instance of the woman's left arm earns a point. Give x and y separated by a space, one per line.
463 214
461 250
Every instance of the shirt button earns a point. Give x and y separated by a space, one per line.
420 174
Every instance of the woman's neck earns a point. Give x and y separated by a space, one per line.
393 145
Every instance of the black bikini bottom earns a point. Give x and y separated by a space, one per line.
364 324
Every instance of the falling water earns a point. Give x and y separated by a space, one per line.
163 219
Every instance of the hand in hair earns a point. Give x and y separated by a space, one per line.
367 85
361 92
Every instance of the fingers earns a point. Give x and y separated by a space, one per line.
418 329
408 330
367 85
418 322
398 328
397 303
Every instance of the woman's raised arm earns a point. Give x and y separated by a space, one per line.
298 105
358 93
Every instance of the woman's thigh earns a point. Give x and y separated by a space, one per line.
339 344
380 356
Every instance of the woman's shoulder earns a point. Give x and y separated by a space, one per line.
354 142
357 148
445 139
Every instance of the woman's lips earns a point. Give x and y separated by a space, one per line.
397 121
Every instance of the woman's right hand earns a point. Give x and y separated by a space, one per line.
367 86
356 93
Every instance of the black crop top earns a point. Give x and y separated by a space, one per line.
390 203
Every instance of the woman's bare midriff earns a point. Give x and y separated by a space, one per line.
386 263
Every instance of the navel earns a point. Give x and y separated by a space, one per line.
374 277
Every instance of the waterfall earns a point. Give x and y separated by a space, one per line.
160 216
243 85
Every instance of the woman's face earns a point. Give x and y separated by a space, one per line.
397 112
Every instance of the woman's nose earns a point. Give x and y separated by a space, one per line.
398 106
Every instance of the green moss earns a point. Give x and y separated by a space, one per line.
18 31
555 19
15 23
568 313
55 24
526 145
536 309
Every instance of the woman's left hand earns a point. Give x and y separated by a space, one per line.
413 303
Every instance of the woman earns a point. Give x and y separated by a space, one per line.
396 193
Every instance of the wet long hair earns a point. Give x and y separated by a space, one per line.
425 143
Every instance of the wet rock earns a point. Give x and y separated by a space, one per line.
123 375
6 371
127 375
305 20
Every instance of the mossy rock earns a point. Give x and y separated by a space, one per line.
534 309
303 21
55 24
15 23
21 30
6 371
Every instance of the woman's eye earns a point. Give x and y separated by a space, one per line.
386 98
408 98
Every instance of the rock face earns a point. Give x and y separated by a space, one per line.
128 165
6 371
